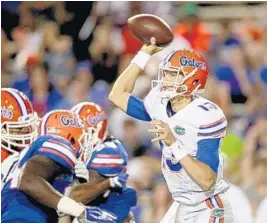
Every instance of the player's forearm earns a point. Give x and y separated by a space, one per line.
135 71
40 190
124 85
126 81
86 192
34 181
200 173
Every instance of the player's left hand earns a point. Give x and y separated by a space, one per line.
163 132
96 214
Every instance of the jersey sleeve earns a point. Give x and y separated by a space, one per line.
212 125
136 109
151 102
208 152
122 205
144 110
60 152
211 130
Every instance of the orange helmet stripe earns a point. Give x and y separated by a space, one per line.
19 100
169 56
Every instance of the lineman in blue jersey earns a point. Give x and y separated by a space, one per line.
108 161
190 130
29 195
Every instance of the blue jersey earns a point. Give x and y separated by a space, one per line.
118 202
109 160
16 205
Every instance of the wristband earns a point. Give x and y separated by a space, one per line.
70 207
178 152
141 59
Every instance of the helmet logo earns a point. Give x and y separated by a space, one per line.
184 61
7 113
93 120
67 121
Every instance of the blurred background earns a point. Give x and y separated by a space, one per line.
63 53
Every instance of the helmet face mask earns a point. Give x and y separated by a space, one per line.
95 121
170 82
19 134
90 142
99 134
86 143
19 123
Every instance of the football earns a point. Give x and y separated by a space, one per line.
145 26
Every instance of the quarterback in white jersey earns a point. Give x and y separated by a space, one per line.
189 129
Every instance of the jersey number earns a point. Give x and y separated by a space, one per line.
174 167
208 106
171 164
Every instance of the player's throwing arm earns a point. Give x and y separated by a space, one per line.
155 33
124 85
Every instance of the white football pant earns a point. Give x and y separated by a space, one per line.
216 209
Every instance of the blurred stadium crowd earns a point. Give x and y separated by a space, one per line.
63 53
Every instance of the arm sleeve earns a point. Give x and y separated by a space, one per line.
59 153
208 152
136 109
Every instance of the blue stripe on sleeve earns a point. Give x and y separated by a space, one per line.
208 152
136 109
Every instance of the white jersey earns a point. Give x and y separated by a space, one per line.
201 119
261 215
